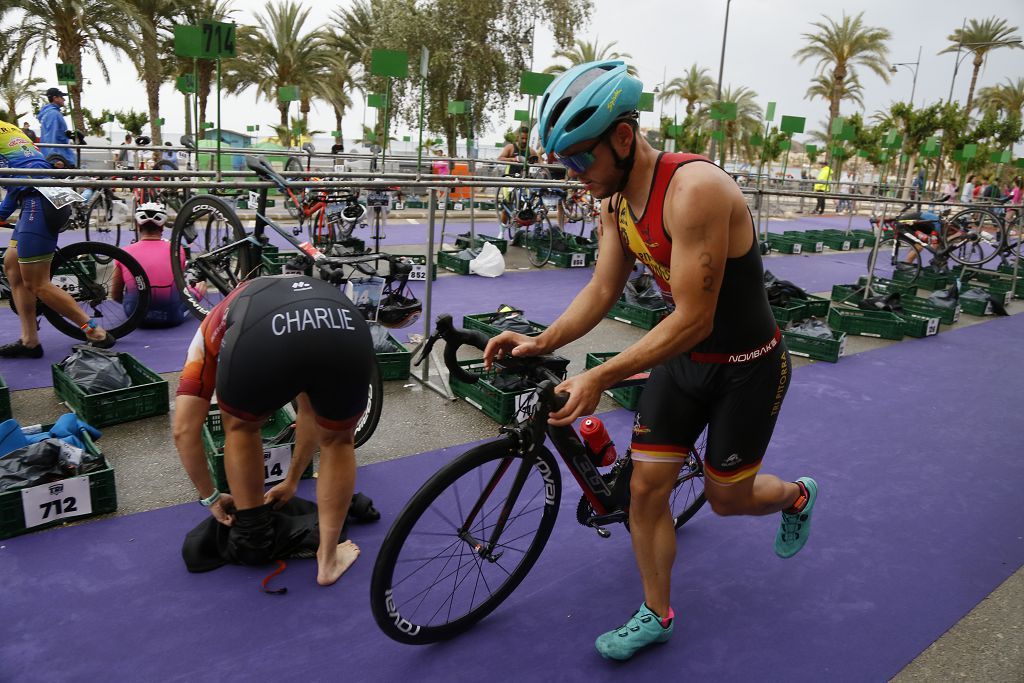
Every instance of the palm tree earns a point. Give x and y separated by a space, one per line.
823 87
747 121
695 87
351 32
192 12
582 52
278 53
14 90
335 91
75 28
840 47
1008 97
152 25
977 37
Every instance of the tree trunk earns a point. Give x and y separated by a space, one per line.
72 56
206 70
979 59
188 114
911 164
286 133
151 66
304 111
337 126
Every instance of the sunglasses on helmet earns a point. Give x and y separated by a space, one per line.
582 160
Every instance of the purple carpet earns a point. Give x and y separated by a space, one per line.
902 548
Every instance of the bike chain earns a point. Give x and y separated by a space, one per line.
584 510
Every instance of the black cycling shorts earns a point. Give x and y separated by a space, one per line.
737 403
276 337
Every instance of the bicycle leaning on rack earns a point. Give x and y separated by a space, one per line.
86 270
472 532
222 254
969 237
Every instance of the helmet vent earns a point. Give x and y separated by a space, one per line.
579 119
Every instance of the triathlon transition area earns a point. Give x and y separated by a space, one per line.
919 519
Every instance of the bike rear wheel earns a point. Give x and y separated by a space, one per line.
100 220
688 493
374 405
209 232
973 236
539 240
431 581
893 255
85 270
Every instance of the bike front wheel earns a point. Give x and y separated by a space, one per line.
443 566
374 404
688 493
539 240
86 271
208 232
973 236
897 255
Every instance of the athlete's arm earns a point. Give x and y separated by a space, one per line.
508 153
586 310
696 214
117 285
306 442
189 416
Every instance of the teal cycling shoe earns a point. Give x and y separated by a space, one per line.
643 628
794 529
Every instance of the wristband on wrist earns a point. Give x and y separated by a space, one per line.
214 497
90 325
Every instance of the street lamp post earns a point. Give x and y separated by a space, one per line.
721 69
913 66
971 48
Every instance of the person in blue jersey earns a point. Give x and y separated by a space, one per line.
27 260
53 129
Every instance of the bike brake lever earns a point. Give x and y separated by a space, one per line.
426 348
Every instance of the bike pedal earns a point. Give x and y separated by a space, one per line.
602 532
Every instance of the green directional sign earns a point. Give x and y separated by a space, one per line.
188 41
723 111
456 106
769 113
893 140
785 145
846 132
792 124
110 118
1019 163
522 115
863 153
208 125
1000 157
499 144
811 150
970 151
646 101
376 100
756 139
837 125
217 39
186 83
158 122
66 74
392 63
250 129
675 130
406 138
532 83
718 135
288 93
904 158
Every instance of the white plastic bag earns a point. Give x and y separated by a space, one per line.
490 262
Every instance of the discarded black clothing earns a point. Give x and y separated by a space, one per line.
813 328
889 302
781 292
45 461
95 370
643 291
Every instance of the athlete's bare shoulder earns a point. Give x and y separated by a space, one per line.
699 191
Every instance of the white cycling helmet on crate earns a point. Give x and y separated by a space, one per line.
151 213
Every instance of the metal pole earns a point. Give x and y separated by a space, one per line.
384 147
956 64
721 69
424 377
913 86
218 119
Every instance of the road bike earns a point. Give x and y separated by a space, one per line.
970 237
470 535
86 271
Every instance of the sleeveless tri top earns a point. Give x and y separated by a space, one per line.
743 318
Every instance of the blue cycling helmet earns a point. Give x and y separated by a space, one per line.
584 101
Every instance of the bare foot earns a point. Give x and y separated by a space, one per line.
331 570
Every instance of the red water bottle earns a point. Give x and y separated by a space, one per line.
599 444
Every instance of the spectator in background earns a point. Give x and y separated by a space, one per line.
967 196
126 156
54 130
1016 196
29 133
166 306
824 175
979 188
917 184
950 190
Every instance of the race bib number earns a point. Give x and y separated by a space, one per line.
62 499
399 206
578 260
60 196
418 272
275 463
933 327
797 248
842 346
254 200
458 206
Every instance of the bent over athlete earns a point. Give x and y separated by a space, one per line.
271 340
719 360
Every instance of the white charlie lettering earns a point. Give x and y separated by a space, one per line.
316 318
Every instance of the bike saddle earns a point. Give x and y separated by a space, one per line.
187 141
260 167
142 140
399 266
308 148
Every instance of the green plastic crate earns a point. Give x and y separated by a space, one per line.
836 240
830 350
926 279
856 241
784 244
146 397
881 285
882 324
274 262
976 307
644 318
916 325
102 495
811 243
497 404
463 242
627 397
817 306
213 446
847 293
571 259
5 400
480 322
920 306
867 237
794 311
998 289
996 282
394 364
85 260
449 261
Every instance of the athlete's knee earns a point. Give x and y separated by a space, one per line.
650 487
728 503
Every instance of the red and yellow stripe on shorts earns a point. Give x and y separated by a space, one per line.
728 477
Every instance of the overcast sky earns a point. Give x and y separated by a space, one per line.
666 37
